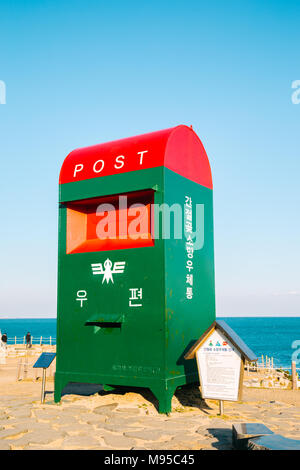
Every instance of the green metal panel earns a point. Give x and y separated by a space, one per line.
105 340
187 318
113 184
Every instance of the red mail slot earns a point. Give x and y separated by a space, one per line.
110 223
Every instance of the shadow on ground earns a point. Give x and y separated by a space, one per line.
83 389
188 395
224 436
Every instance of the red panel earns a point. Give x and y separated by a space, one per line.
186 156
92 227
178 149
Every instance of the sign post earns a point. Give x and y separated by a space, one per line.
44 362
220 355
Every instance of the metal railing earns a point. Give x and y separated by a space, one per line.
265 363
51 340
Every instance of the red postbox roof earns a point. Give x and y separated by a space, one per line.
179 149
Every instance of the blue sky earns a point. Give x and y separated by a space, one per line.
84 72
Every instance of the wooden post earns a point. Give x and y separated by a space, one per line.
43 386
19 368
26 366
50 340
294 376
221 407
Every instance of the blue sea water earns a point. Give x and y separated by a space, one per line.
271 336
37 327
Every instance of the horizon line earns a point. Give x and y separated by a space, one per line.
217 316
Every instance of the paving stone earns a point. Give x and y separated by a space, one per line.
38 437
118 428
17 402
4 445
73 410
93 418
39 426
105 409
3 422
175 427
186 439
146 435
41 447
79 429
129 411
119 425
80 442
203 431
63 421
118 442
74 407
21 422
167 445
20 413
10 433
46 416
202 445
123 420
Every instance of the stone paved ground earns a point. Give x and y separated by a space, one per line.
129 420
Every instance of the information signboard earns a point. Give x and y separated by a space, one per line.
220 355
219 364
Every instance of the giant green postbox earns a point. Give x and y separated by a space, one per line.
135 262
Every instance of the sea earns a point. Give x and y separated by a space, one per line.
277 337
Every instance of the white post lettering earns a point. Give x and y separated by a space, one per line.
78 168
121 162
96 163
141 156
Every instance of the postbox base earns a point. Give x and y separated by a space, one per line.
162 390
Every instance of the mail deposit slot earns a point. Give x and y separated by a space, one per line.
135 262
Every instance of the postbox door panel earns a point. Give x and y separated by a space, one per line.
111 309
